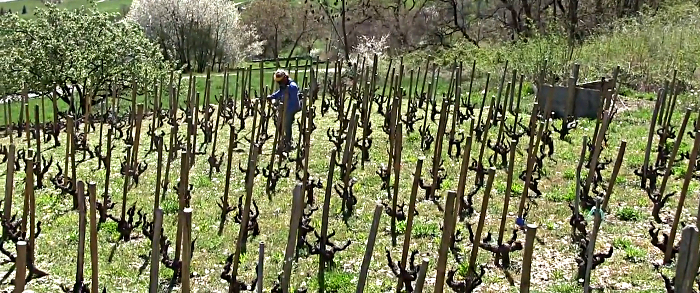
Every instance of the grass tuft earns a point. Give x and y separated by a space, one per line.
629 214
635 254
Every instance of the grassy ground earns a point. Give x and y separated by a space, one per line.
122 267
217 88
31 5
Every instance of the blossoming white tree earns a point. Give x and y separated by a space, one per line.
367 47
196 33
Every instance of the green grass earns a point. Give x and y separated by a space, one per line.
622 243
635 254
31 5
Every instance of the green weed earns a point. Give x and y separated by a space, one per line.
628 214
635 254
622 243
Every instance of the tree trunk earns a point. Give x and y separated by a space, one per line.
573 20
275 49
346 46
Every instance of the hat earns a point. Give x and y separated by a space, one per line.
280 75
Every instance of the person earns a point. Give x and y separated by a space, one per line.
288 93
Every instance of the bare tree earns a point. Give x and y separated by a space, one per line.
344 16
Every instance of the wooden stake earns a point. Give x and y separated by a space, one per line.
79 276
571 101
684 191
137 136
650 139
297 209
20 266
378 208
688 250
94 265
324 223
674 152
28 193
410 216
261 262
527 258
186 249
530 162
171 156
591 246
182 193
695 260
482 219
245 217
155 249
156 201
9 131
69 140
596 152
445 242
500 90
509 186
420 281
616 171
464 170
108 164
37 128
397 173
9 185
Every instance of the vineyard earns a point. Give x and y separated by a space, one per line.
402 179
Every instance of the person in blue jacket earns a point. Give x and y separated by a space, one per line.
288 93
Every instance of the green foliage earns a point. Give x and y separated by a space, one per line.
635 254
562 194
201 181
628 214
109 227
550 225
422 230
463 269
335 281
516 189
37 57
570 174
169 206
622 243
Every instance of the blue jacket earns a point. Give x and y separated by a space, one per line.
293 100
